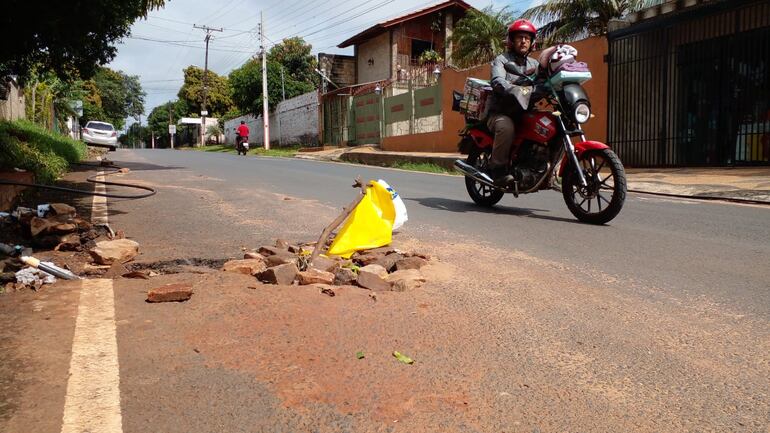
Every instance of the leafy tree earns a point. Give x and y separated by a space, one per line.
246 83
568 20
218 100
112 93
135 135
112 96
480 36
157 121
66 37
49 99
295 56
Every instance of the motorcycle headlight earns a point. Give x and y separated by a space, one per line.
582 113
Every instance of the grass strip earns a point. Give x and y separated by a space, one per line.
30 147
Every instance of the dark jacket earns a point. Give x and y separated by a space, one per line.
511 93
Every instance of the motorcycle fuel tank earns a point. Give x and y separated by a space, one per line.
538 127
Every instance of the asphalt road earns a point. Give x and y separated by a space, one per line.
529 320
681 248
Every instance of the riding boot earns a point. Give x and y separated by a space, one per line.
501 177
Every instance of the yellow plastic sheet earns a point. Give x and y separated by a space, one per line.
370 225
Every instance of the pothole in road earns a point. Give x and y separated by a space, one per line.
194 265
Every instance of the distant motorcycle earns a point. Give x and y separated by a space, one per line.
241 144
588 173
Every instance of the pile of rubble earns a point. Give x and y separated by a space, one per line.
57 232
381 269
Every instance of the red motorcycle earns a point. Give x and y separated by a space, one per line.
588 173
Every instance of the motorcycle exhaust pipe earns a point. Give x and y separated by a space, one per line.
474 173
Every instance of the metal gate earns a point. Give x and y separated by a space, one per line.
693 88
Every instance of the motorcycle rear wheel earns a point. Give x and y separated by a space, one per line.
481 194
603 198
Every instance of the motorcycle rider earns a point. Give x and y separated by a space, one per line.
243 134
510 96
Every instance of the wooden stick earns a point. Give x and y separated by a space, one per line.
321 244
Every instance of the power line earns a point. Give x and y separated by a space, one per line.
184 45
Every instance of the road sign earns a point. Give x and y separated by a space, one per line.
204 113
172 129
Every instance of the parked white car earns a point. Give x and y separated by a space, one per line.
99 134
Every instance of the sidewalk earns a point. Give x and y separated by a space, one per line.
748 184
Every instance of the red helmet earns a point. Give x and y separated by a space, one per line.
524 26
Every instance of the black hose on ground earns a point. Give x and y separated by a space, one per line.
91 179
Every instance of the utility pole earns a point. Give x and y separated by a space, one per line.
170 129
205 113
278 110
265 108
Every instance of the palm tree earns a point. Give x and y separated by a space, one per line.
568 20
480 36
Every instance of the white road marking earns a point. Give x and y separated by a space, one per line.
92 403
99 208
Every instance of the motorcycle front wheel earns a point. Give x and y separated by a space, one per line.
481 194
603 198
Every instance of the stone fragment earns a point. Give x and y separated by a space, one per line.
253 255
61 209
365 258
70 242
344 277
245 266
118 250
389 261
375 269
282 244
325 264
38 226
372 280
315 276
64 228
82 224
282 258
116 270
405 280
170 293
281 274
413 262
267 250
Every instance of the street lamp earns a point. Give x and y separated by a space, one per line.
378 89
436 73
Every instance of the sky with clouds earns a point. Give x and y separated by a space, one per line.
161 46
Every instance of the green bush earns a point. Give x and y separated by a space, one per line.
44 140
27 146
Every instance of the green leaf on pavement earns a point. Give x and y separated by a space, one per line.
403 358
360 355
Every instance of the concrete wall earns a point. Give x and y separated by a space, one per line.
591 51
13 107
378 49
298 123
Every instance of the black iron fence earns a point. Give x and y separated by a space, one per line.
693 88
